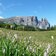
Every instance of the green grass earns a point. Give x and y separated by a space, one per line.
42 36
37 37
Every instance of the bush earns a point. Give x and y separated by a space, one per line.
52 28
29 28
20 28
2 25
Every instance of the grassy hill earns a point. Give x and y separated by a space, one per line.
42 38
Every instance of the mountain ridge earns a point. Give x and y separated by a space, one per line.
27 20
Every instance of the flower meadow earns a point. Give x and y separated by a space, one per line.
14 45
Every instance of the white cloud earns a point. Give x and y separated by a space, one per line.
1 17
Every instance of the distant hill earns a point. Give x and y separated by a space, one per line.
27 20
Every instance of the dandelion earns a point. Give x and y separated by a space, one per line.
52 37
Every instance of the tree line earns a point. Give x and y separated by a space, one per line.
23 28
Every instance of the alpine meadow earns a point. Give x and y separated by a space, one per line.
27 27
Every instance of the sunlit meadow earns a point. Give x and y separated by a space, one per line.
27 43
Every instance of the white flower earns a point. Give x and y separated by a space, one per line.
40 45
45 53
8 35
30 47
52 37
9 32
25 38
15 35
48 48
24 41
30 37
27 48
34 50
13 40
23 54
3 50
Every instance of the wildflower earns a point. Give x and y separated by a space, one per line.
34 50
3 50
30 37
45 53
13 40
27 48
25 38
1 31
15 35
24 41
23 54
30 47
40 45
52 37
8 34
48 48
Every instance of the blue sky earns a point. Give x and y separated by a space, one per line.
39 8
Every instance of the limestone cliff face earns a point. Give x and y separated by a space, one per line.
27 20
24 20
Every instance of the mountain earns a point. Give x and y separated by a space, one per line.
27 20
24 20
